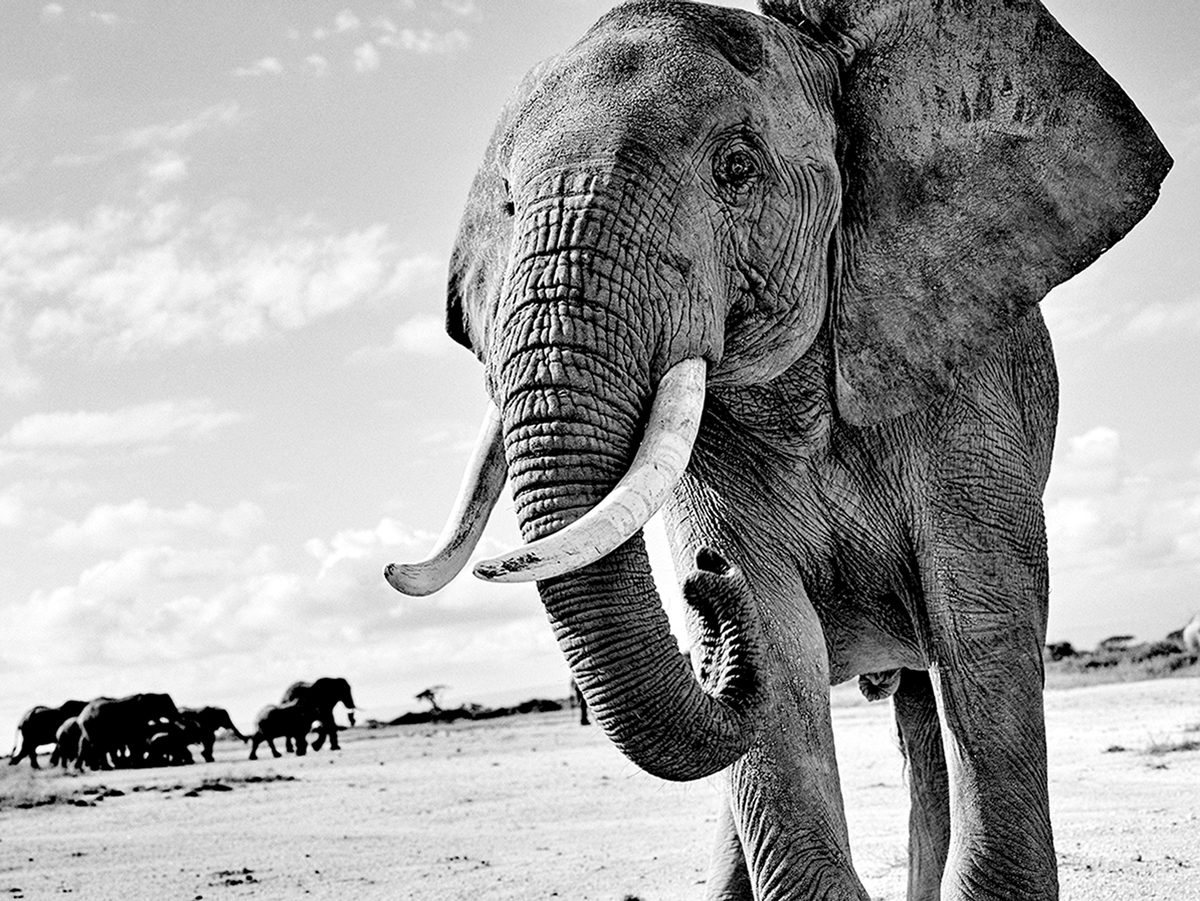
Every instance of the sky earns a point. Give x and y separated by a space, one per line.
226 400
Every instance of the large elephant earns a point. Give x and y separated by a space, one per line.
322 696
119 728
201 724
38 727
778 275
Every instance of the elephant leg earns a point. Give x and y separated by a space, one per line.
254 743
322 732
331 730
986 602
287 745
928 786
206 750
271 744
728 879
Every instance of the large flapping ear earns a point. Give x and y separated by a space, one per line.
480 254
986 158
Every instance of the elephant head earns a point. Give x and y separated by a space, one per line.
694 200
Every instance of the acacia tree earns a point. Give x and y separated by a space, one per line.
430 695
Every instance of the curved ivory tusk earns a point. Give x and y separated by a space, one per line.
481 487
656 468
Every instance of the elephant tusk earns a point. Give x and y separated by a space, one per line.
481 487
658 465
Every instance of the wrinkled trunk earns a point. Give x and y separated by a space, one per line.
573 372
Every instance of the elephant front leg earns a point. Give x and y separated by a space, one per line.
784 837
986 601
928 787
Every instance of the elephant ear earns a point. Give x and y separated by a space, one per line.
986 157
480 255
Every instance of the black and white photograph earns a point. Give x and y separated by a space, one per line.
654 450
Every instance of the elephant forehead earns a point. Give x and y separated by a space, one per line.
659 87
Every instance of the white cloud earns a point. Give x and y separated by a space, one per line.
52 12
426 41
138 523
105 18
165 168
317 63
12 510
463 8
154 136
422 335
268 65
1158 319
346 20
137 280
366 58
153 423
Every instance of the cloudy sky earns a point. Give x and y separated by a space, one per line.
225 397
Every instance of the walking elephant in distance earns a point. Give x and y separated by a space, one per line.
201 724
778 276
322 696
39 726
290 720
118 729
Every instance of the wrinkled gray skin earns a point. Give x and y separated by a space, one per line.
66 743
38 727
849 210
290 720
201 724
323 695
119 728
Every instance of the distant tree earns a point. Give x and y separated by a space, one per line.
1060 650
1115 642
430 695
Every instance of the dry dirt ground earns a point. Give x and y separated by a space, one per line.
537 807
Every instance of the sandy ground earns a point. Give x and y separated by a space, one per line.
537 807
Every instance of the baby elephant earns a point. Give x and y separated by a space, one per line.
289 720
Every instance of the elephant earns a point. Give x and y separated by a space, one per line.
291 720
119 728
777 276
1191 635
168 746
66 743
323 695
38 727
201 725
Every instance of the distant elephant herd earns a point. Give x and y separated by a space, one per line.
144 730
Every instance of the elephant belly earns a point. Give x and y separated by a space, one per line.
868 638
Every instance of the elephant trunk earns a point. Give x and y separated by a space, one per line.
573 414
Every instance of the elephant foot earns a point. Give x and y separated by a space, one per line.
877 686
276 754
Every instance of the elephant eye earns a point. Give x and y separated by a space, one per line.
507 205
735 168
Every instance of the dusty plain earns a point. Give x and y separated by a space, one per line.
535 807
